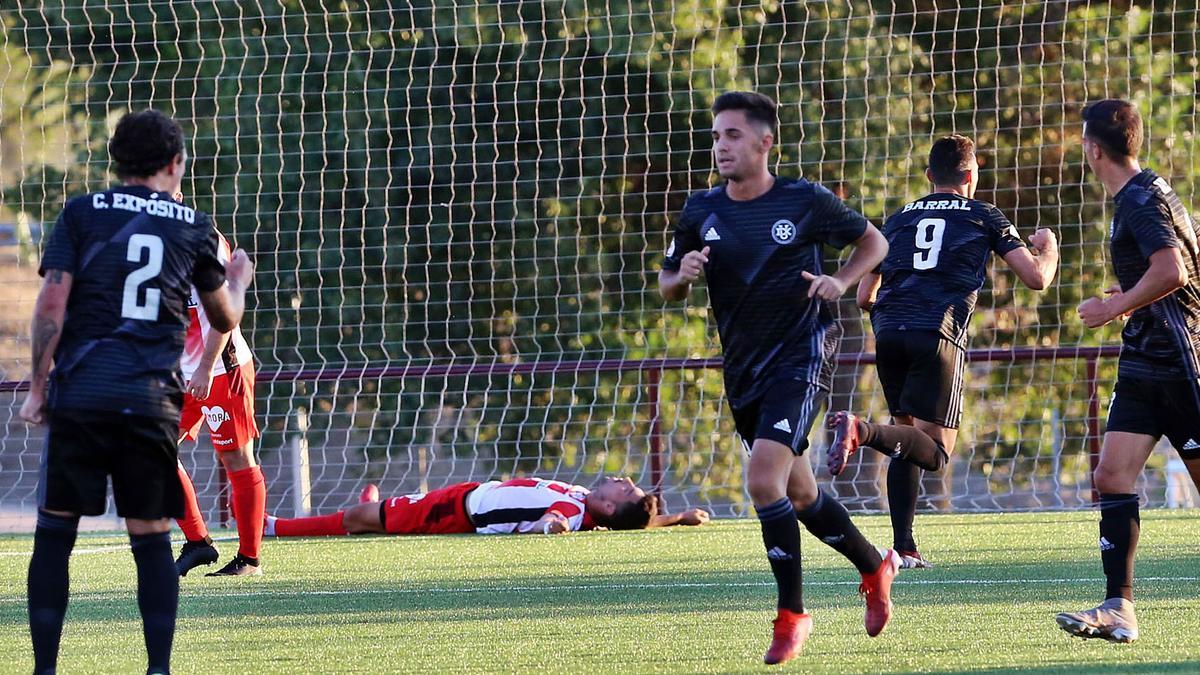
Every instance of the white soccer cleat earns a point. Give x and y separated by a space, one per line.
1113 620
912 560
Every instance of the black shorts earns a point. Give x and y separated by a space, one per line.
784 414
140 453
922 375
1158 408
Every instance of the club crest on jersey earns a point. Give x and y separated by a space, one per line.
783 232
214 416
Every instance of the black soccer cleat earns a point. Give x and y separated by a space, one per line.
240 566
194 554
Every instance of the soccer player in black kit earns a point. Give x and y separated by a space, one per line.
1157 265
921 301
111 315
759 240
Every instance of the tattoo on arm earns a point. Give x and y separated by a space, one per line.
54 276
44 332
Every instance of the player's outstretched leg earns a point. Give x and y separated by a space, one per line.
894 440
198 549
829 521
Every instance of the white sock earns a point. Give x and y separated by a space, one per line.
269 526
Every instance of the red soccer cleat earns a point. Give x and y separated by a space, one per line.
369 494
876 589
791 632
845 440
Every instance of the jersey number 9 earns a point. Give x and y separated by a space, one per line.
929 243
130 307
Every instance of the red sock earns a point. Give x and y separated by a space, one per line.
315 526
192 522
249 508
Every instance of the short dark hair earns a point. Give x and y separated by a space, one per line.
143 143
631 515
1116 126
757 107
950 159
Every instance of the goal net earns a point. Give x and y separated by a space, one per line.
458 209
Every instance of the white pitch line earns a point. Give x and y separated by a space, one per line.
608 587
109 548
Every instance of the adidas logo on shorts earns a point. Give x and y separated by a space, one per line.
784 426
1106 545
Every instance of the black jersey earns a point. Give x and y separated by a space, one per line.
1160 340
938 252
133 255
769 327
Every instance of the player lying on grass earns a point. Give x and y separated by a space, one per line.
516 506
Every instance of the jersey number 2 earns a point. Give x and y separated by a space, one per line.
130 307
929 243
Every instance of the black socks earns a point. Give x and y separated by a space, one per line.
829 521
903 486
905 442
49 586
1119 528
158 595
781 538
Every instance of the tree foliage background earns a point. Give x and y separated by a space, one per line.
427 183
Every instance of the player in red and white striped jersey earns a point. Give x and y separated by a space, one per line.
515 506
219 371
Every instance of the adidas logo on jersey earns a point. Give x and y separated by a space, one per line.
777 553
1106 545
712 235
1191 445
784 426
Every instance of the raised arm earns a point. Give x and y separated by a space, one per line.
46 330
1037 265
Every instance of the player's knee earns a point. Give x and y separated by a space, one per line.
941 457
765 489
238 460
1111 479
804 500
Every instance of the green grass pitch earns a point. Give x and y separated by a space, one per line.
671 600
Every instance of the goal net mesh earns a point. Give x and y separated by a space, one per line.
458 209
